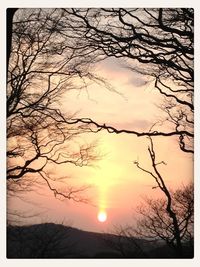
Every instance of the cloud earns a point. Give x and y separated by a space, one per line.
140 125
113 65
115 68
137 80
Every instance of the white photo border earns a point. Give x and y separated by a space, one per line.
98 262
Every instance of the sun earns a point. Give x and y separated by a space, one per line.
102 216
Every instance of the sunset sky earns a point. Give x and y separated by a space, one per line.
116 185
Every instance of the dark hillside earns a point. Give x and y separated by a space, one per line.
58 241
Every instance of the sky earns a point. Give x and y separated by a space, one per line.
117 186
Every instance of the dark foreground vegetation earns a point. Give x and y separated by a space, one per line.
58 241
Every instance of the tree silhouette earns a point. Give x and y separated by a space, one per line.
51 48
9 23
156 42
171 218
156 224
43 66
51 52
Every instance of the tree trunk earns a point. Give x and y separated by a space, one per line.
9 22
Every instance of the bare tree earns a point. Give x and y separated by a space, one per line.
50 50
155 42
171 218
43 66
10 12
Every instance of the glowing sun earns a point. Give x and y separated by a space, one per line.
102 216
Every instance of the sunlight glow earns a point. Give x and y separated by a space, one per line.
102 216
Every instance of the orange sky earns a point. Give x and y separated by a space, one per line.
117 186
